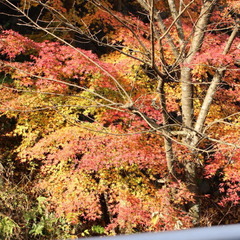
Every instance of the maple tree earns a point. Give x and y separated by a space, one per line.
126 119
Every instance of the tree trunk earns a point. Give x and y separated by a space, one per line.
191 165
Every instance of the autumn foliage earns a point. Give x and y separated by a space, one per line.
86 126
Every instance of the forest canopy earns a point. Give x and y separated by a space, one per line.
118 117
